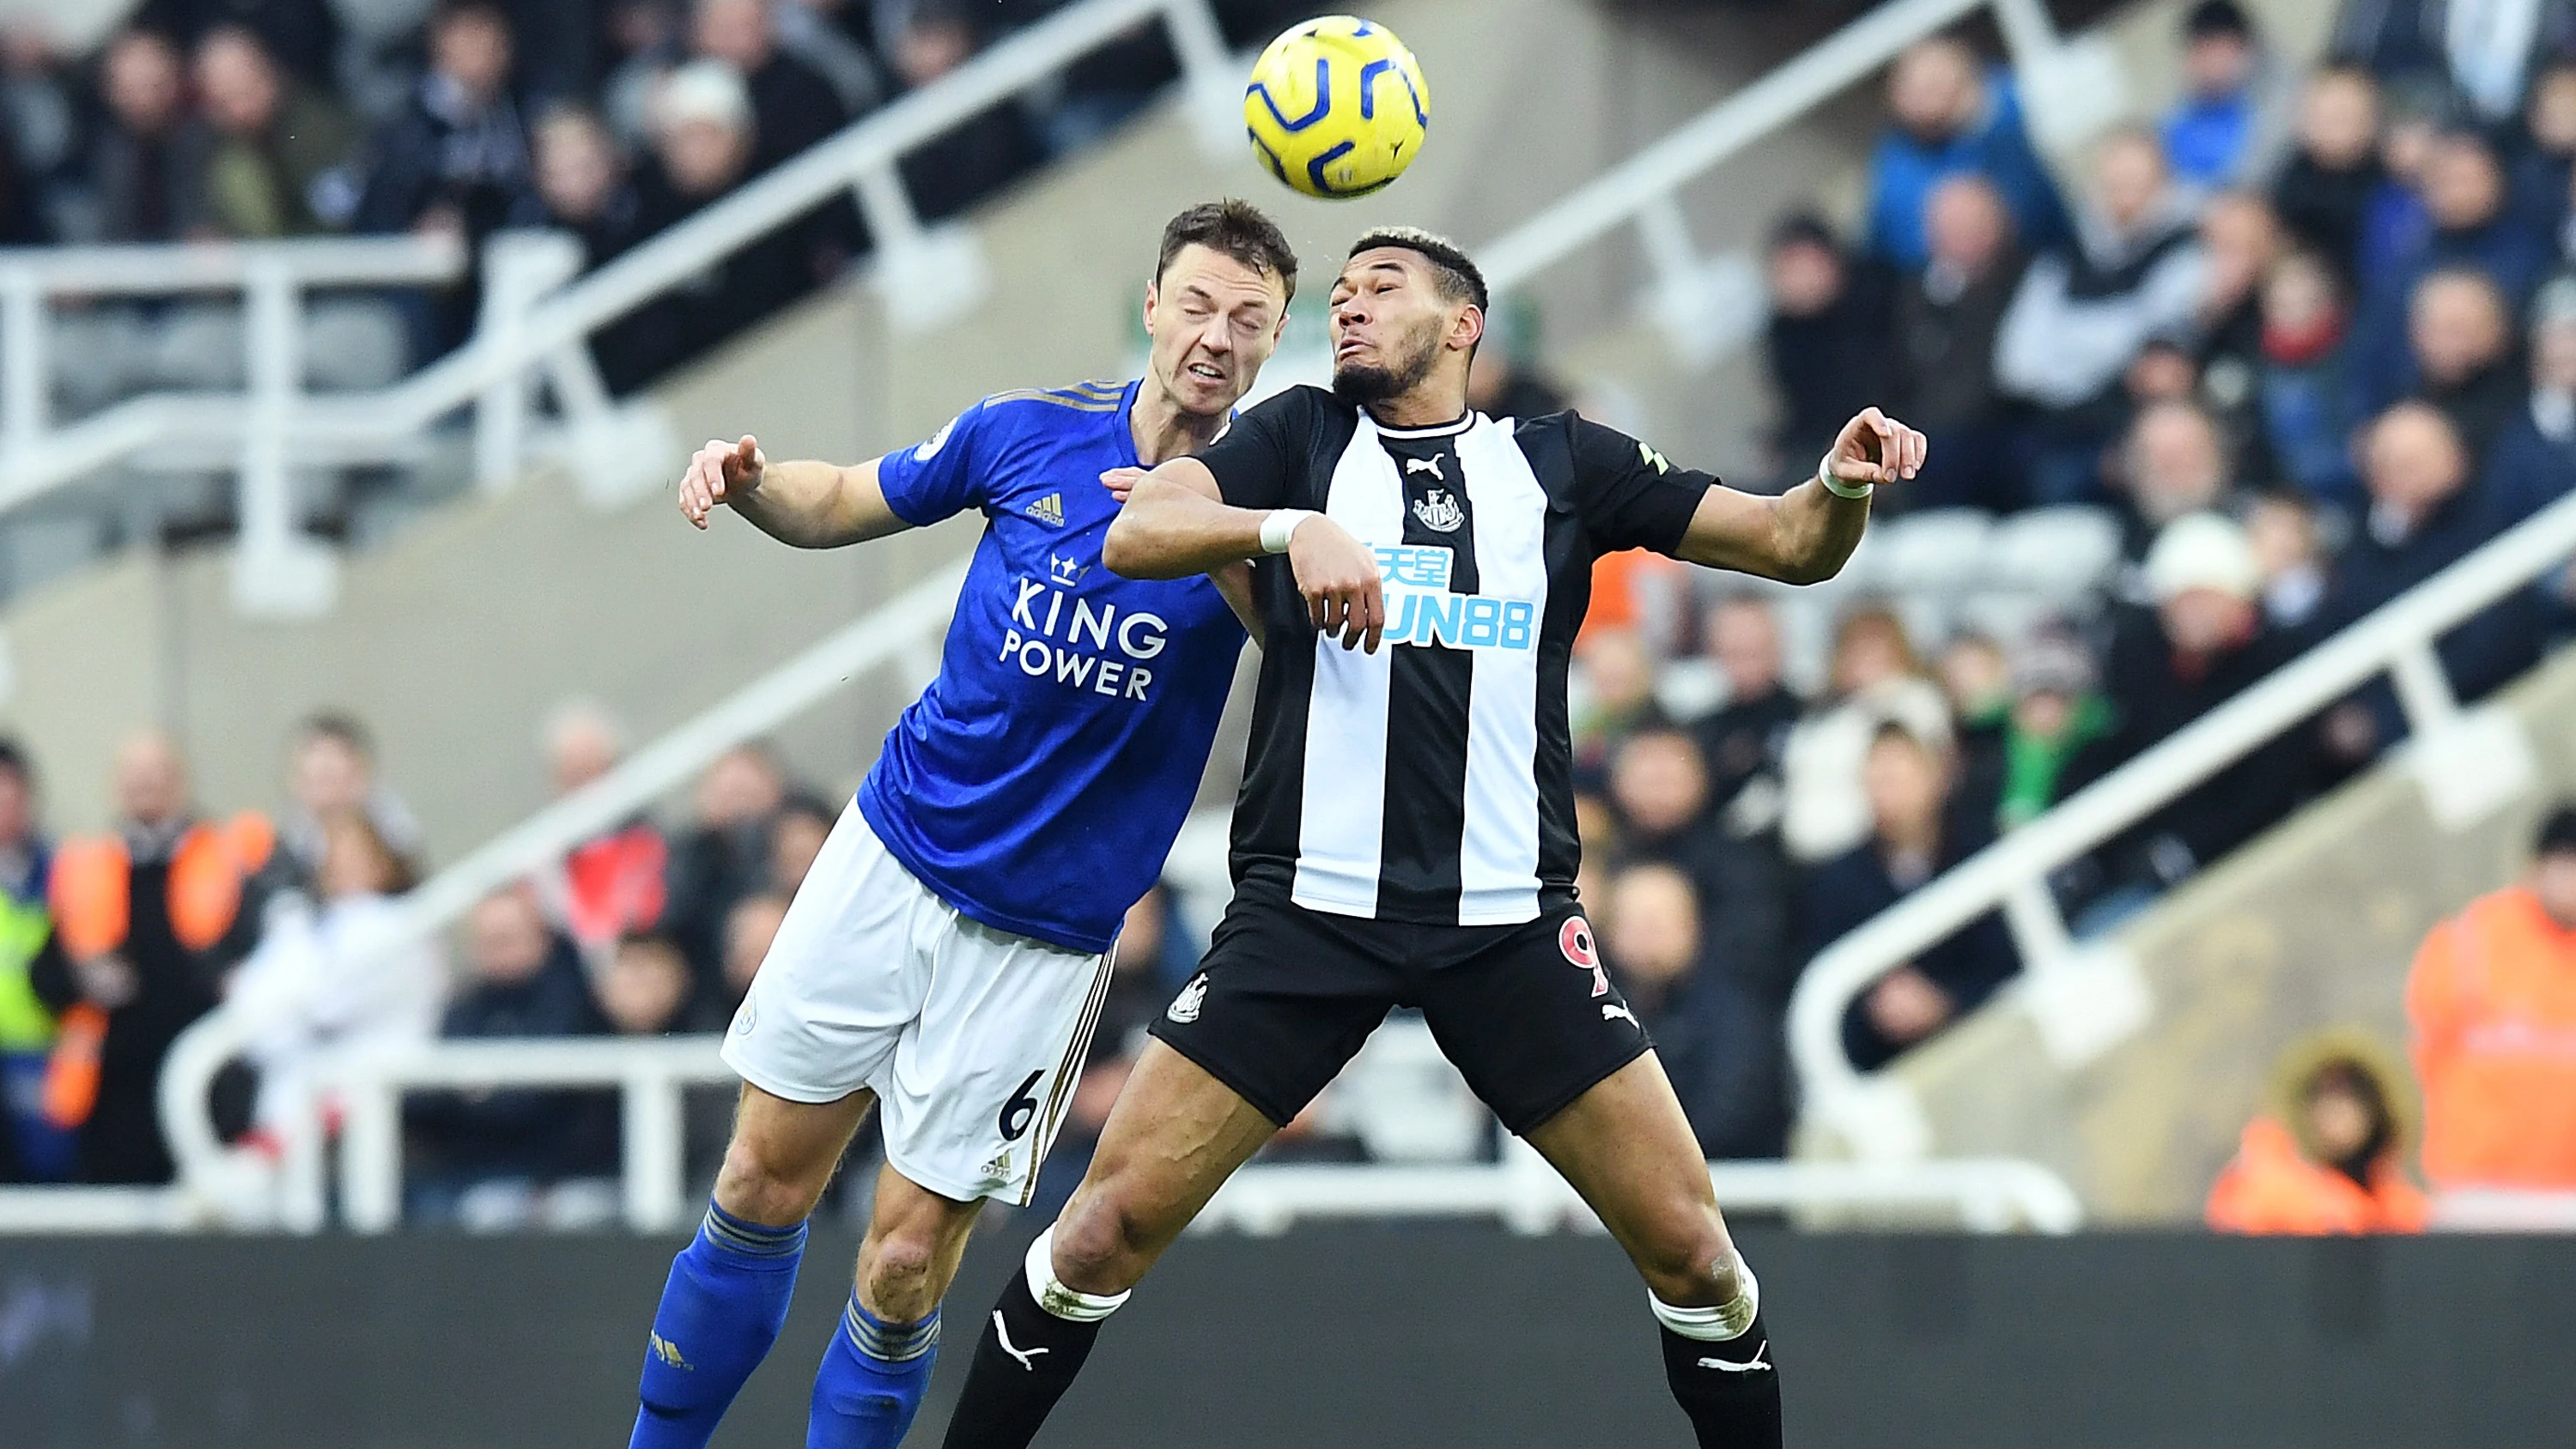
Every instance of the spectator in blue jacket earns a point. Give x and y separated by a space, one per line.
2532 463
2467 223
1950 116
2304 398
2227 120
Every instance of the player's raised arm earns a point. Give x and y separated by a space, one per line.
1173 526
807 504
1805 535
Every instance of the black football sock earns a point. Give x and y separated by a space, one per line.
1718 1361
1034 1342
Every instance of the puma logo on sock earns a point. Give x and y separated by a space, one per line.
1026 1357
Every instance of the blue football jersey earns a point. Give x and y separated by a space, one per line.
1038 783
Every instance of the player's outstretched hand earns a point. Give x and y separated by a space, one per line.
1875 448
718 473
1337 575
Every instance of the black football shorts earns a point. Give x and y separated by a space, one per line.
1286 995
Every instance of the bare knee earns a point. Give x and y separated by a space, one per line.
1101 1246
900 1277
1689 1262
763 1184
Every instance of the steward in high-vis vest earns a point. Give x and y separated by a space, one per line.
149 920
31 1148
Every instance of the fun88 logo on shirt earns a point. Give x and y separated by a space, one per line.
1420 609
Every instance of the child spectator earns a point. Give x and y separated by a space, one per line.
2289 556
2305 392
2329 1156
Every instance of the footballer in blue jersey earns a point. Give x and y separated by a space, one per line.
947 955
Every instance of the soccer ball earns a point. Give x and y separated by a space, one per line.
1337 107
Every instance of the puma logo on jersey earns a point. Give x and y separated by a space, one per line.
1439 511
1048 510
1028 1356
1613 1011
1424 465
1724 1365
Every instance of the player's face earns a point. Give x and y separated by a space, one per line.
1389 323
1213 322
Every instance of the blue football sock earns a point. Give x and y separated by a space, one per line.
722 1308
872 1381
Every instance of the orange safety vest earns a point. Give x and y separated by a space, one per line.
2271 1187
2493 1002
92 900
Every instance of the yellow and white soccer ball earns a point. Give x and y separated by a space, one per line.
1337 107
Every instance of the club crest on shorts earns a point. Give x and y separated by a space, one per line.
742 1019
1574 938
1185 1007
1439 511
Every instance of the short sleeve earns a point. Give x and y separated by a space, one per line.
1628 495
939 478
1259 456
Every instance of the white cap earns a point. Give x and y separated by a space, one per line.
2202 551
702 90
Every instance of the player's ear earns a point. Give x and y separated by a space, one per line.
1153 293
1469 329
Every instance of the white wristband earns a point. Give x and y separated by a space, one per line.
1839 488
1280 525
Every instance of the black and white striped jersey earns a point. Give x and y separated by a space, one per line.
1432 782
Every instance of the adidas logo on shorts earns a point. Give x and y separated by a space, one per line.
1185 1007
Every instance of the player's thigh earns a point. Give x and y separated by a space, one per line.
783 1152
1283 1000
1531 1020
1627 1148
980 1082
1174 1136
844 978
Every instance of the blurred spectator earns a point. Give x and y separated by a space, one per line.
2479 49
2324 192
1948 115
2461 337
280 162
2175 464
1914 836
456 160
2412 122
2532 463
1618 673
723 856
2056 711
2242 238
2545 163
1942 366
2329 1157
2083 312
1874 676
792 105
2306 394
147 151
823 35
748 931
338 977
493 1154
646 988
1719 1039
582 185
32 1148
1659 789
2204 641
152 919
2289 556
613 884
1826 340
1505 380
2468 227
2495 1029
1976 679
331 771
977 156
304 35
804 823
2228 120
2424 516
1742 742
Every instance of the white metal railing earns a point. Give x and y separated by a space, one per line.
2068 89
2084 997
536 317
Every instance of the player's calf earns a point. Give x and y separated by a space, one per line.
874 1374
1717 1358
1033 1345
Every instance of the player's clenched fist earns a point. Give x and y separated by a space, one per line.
719 472
1337 576
1875 448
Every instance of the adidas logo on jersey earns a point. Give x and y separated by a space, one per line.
1185 1007
1048 510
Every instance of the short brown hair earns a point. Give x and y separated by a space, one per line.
1236 228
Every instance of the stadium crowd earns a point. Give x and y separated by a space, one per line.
2308 339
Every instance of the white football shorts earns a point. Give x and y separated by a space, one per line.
972 1038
